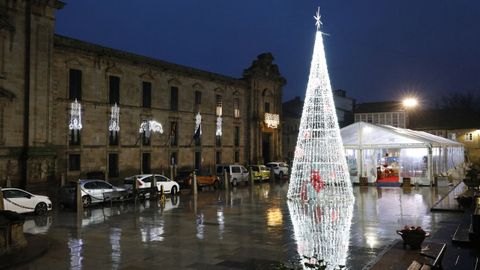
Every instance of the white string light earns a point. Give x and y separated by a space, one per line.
322 229
272 120
218 131
198 124
319 163
114 124
150 126
75 116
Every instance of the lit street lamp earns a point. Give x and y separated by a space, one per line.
410 103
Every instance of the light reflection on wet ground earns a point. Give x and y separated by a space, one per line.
219 230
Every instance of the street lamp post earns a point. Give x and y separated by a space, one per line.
409 104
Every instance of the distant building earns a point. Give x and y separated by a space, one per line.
292 113
456 125
390 113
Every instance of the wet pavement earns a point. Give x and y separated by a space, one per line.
250 227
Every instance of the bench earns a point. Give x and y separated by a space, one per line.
436 256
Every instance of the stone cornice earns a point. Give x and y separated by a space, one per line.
66 43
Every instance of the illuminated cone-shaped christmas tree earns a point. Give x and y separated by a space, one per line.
322 231
319 166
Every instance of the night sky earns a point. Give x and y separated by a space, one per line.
376 49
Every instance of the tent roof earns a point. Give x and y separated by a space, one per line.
367 135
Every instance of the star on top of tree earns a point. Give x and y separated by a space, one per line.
317 17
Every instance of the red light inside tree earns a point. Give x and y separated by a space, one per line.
316 181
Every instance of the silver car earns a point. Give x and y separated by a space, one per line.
93 191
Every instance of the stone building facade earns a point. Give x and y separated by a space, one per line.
42 74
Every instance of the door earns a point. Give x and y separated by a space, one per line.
106 189
18 201
164 182
266 138
244 174
236 173
93 191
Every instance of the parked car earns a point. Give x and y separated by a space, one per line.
145 181
21 201
183 178
280 169
205 178
236 173
93 191
260 172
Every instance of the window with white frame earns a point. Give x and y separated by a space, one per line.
469 137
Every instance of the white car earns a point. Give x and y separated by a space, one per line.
21 201
279 168
145 181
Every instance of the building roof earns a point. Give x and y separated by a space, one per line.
367 135
436 119
373 107
97 50
293 108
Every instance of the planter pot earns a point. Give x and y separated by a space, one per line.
413 238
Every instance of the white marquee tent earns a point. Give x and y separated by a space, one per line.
386 153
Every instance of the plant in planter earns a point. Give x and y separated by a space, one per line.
413 236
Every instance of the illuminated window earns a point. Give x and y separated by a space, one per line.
469 137
236 108
219 105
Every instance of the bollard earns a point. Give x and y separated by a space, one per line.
2 207
251 177
153 188
78 197
136 192
226 181
194 184
162 196
272 175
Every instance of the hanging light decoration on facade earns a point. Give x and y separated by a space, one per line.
75 123
272 120
149 126
114 125
198 125
218 132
